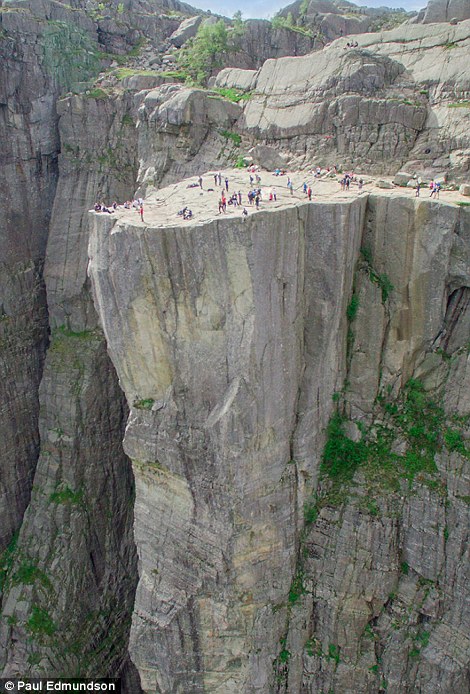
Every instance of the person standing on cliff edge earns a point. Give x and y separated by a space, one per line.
141 210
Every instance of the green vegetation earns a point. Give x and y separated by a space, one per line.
40 622
66 332
404 568
97 93
232 94
333 652
144 404
297 588
451 45
70 56
460 104
241 163
206 51
28 573
412 417
127 119
65 495
382 280
463 204
123 72
234 137
279 22
351 310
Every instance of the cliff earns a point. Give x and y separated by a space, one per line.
260 571
235 449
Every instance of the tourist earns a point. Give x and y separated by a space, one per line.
200 182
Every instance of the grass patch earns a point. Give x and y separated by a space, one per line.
146 404
66 332
123 72
40 622
66 496
233 94
463 204
460 104
127 120
97 93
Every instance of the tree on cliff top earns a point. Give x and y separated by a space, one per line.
206 51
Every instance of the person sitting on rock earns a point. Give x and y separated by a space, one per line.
97 207
245 212
188 214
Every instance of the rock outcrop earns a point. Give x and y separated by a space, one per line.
364 107
233 595
284 396
446 11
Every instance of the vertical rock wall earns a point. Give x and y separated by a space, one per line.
230 340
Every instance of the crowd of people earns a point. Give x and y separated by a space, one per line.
137 204
256 194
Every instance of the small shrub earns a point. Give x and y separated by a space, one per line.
455 442
351 310
127 120
297 588
234 137
310 514
144 404
284 656
40 622
333 652
341 455
404 567
422 638
66 496
366 253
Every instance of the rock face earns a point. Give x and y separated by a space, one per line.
68 574
227 458
446 10
367 106
292 389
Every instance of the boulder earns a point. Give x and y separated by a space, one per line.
384 184
401 178
186 30
268 157
465 189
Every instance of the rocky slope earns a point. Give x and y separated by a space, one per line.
267 562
